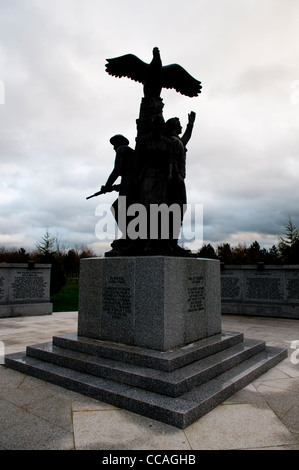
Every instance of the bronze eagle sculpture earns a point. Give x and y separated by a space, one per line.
154 76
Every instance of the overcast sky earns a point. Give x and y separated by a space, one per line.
59 109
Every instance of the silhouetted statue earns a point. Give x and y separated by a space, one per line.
124 168
153 177
176 187
154 76
154 164
154 158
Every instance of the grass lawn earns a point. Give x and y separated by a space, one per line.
67 299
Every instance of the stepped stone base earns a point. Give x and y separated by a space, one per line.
149 340
175 387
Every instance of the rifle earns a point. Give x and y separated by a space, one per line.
114 187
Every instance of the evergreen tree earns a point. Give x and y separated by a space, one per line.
46 246
47 254
207 251
274 255
289 243
224 253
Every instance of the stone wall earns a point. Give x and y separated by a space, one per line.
263 290
24 289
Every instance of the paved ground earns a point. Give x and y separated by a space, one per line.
37 415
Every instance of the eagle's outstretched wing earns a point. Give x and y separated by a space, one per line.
175 76
127 66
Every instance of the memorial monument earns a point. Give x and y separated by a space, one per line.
155 175
263 290
25 289
149 335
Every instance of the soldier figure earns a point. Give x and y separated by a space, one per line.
124 168
177 189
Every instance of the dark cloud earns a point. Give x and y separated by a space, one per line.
61 108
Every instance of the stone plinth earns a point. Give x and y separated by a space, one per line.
24 289
149 340
154 302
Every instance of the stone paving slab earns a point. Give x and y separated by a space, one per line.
38 415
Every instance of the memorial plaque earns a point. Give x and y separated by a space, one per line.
262 291
292 287
2 289
118 305
263 286
24 291
230 286
29 285
117 298
196 293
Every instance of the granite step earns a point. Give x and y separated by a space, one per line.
180 411
161 360
173 383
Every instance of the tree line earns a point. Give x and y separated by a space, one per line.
285 252
66 263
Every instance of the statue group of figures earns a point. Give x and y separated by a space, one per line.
153 174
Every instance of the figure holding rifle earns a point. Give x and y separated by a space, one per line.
123 168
